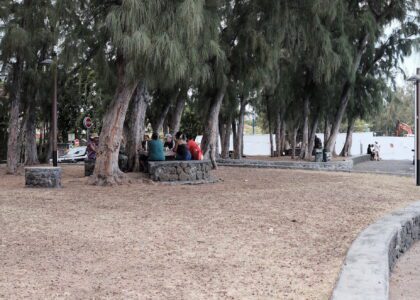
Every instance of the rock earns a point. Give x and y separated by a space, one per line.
47 177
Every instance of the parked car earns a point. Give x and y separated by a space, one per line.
74 155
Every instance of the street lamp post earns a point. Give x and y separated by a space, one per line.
416 79
53 63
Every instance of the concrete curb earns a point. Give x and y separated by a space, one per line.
341 166
371 257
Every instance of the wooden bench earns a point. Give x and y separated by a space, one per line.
182 171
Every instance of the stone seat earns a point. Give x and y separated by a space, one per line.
47 177
182 171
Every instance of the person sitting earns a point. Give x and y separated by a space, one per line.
146 139
195 150
169 142
155 147
371 152
181 147
92 146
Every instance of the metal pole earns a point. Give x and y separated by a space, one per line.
54 112
417 130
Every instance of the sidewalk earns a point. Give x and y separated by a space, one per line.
388 167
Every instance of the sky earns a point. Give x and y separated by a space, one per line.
411 63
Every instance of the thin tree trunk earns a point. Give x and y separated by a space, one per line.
270 132
349 139
225 130
345 95
234 131
237 151
50 142
314 127
304 149
327 131
208 143
158 124
295 132
226 140
278 134
13 128
283 136
136 128
31 155
175 123
107 171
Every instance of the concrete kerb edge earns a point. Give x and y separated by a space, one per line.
371 257
344 166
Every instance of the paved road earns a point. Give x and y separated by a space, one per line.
405 278
391 167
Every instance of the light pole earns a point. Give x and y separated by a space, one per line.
416 79
53 63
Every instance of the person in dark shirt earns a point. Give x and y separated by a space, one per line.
181 147
92 146
169 142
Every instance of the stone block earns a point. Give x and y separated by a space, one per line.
183 171
47 177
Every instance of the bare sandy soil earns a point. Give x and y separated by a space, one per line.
259 234
405 278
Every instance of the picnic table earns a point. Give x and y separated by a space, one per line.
169 154
143 155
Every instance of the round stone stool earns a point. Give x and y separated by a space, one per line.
46 177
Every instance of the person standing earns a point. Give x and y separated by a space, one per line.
92 146
377 149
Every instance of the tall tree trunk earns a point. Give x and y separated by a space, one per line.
295 132
327 130
345 95
107 171
278 134
304 149
270 132
234 130
175 123
31 155
49 145
209 140
349 139
237 151
13 128
226 141
312 134
283 136
225 130
157 125
136 128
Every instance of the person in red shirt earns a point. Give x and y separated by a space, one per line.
195 150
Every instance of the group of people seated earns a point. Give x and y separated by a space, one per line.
373 150
183 146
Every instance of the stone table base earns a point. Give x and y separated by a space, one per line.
46 177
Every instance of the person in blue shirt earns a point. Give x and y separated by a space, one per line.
156 149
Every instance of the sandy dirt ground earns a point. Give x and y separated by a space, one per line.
405 278
258 234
